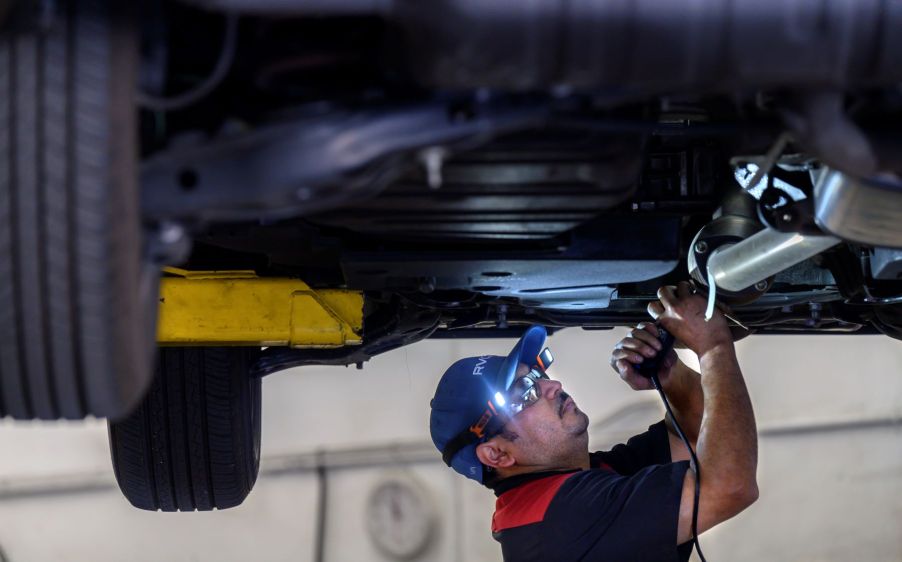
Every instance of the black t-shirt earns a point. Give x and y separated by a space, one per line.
624 508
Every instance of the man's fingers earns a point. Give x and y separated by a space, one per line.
625 368
667 295
683 290
648 327
646 336
655 309
638 345
628 373
626 354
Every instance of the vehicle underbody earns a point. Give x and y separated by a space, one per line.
466 205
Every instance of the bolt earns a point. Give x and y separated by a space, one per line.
170 233
427 285
433 159
761 286
701 247
502 317
814 320
786 217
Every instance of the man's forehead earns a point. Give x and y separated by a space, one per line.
522 370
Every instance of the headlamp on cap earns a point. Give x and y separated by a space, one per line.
522 392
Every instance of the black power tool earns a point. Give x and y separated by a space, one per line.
651 366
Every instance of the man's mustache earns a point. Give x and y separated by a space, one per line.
562 397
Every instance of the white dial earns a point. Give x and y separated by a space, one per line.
400 518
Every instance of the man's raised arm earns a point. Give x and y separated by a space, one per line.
727 446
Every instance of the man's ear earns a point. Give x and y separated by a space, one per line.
494 454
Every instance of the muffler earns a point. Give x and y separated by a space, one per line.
867 211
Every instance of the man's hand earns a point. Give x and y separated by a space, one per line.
683 315
640 344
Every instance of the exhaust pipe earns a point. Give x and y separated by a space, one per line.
735 257
651 46
739 266
866 211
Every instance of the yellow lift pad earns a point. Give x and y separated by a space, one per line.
239 308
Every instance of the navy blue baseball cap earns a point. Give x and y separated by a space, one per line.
465 388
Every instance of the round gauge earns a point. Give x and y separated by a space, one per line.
400 518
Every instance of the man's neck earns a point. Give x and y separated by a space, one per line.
577 462
513 477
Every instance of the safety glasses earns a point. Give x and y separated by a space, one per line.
525 391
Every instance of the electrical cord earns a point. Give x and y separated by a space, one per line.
223 64
698 474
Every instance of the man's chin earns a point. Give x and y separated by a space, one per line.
581 426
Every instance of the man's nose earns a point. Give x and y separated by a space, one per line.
550 388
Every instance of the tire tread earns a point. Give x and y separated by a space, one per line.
191 445
70 314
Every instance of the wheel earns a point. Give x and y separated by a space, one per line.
194 442
74 327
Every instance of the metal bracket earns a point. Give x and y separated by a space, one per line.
239 308
312 164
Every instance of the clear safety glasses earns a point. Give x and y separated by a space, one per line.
524 391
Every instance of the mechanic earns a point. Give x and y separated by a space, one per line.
502 422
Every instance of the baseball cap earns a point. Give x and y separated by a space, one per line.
465 388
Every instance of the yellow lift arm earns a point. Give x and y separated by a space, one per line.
216 308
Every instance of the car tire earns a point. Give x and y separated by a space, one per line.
194 443
74 325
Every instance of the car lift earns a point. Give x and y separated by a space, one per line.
238 308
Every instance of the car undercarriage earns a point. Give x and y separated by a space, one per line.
463 204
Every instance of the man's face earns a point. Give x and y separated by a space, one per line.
550 428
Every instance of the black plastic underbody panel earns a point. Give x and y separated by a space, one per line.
577 276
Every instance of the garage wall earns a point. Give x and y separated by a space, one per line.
828 410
